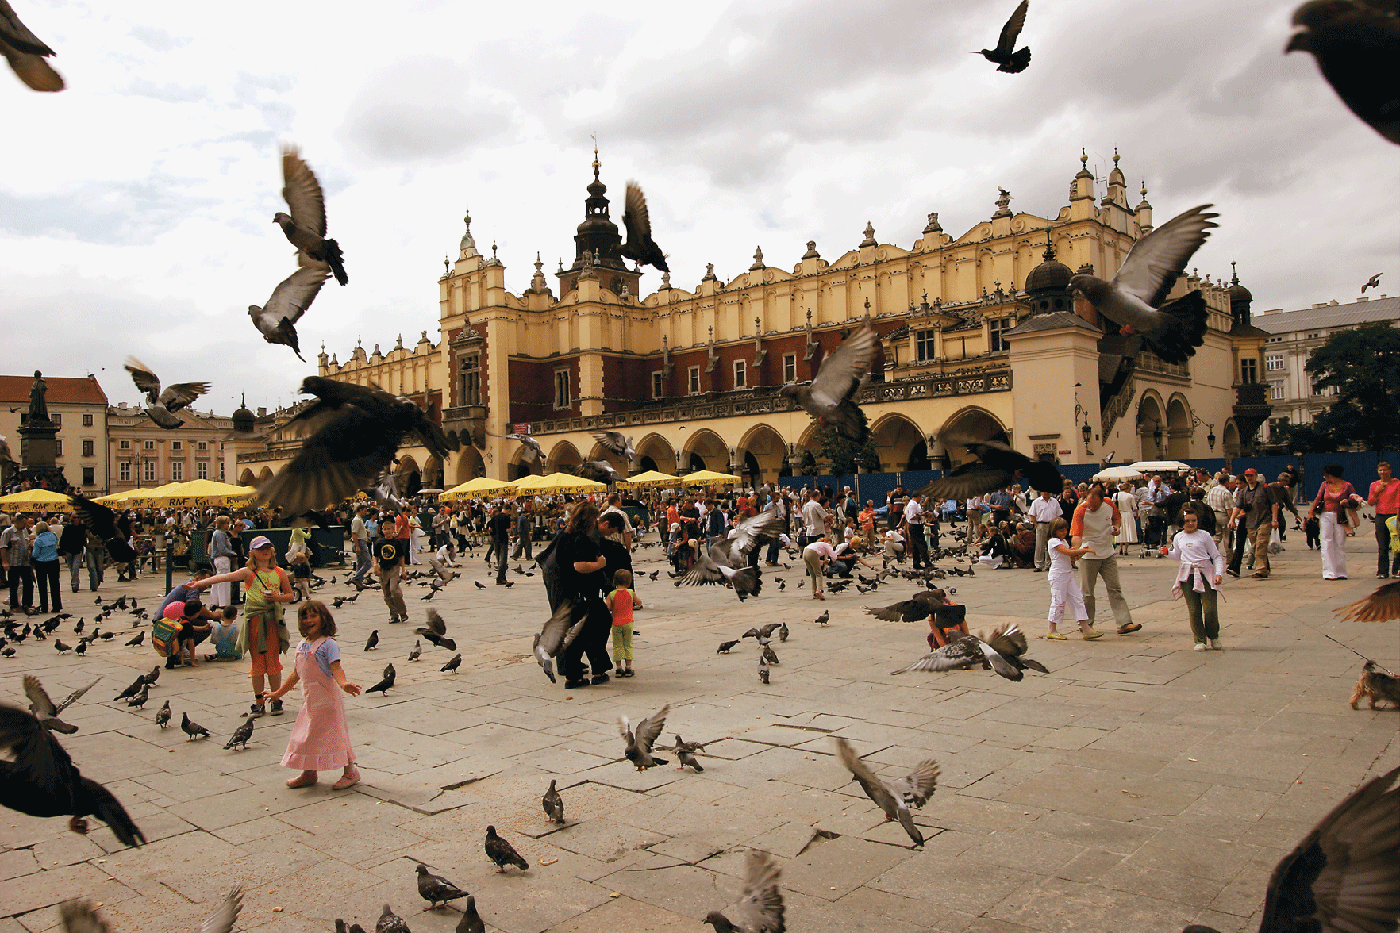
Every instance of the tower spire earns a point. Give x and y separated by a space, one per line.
596 164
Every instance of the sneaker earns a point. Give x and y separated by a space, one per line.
277 707
1199 646
601 679
257 709
1215 645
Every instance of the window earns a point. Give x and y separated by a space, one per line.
87 423
202 445
694 381
149 445
790 367
562 397
56 418
177 471
1274 362
89 448
741 374
124 471
658 385
924 346
58 447
149 469
1276 391
1249 370
221 472
201 469
995 328
1314 335
123 445
176 445
89 473
471 379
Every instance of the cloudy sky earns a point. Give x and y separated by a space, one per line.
135 207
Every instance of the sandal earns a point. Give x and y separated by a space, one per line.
1054 636
818 596
1090 636
347 780
301 780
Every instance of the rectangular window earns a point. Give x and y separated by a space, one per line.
177 471
790 367
58 451
741 374
924 346
56 418
89 448
123 445
87 423
148 468
1274 362
1276 390
1249 370
202 445
658 385
149 445
176 445
995 328
694 380
562 396
201 469
124 471
471 379
89 475
221 472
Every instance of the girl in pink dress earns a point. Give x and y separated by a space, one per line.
320 739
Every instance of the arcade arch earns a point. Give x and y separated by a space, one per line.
705 450
1151 423
971 423
656 453
899 442
563 458
760 454
469 466
1178 428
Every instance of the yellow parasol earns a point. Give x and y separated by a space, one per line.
36 500
195 493
557 483
482 486
113 500
709 478
649 478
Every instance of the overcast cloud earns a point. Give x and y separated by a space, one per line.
136 207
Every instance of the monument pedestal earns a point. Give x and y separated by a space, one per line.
38 455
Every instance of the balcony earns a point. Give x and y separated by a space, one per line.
468 422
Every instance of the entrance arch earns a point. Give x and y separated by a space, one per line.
1178 428
656 453
705 450
1151 420
469 466
618 461
895 438
967 424
246 477
760 454
563 458
1230 439
433 473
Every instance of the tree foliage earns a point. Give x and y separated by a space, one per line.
841 455
1363 365
1302 438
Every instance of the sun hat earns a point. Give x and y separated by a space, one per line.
261 541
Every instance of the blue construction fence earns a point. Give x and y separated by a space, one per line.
1358 468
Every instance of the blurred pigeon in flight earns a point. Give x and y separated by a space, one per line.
26 53
1373 282
277 319
639 247
530 450
615 442
305 228
1356 44
830 398
996 467
1004 55
760 908
161 406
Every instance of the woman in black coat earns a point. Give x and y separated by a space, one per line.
582 577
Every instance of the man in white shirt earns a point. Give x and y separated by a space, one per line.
974 519
813 517
1044 510
914 521
1221 499
1095 523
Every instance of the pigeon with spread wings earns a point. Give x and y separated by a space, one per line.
102 522
530 450
996 466
728 563
26 52
640 741
639 247
356 431
161 406
305 227
830 398
622 446
1005 56
1380 606
81 916
277 319
558 633
894 806
1356 44
46 710
436 631
760 908
1003 650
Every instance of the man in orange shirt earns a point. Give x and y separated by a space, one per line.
1385 496
1096 521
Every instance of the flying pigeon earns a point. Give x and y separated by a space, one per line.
277 319
1380 606
26 53
102 522
996 466
639 742
1373 282
1004 55
728 562
1356 44
1345 874
161 406
43 781
916 787
895 808
553 803
193 729
241 735
616 443
1133 300
556 635
452 665
502 852
760 908
1002 651
80 916
305 228
831 396
436 631
388 681
44 709
921 606
530 450
163 715
356 433
435 889
685 754
600 471
640 247
373 640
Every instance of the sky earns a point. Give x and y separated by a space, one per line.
136 206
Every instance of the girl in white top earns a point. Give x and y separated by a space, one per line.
1201 569
1063 587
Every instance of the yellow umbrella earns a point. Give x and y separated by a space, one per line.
195 493
709 478
650 478
481 486
36 500
116 498
557 482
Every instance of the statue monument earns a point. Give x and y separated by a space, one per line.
38 445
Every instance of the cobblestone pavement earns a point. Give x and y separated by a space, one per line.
1140 786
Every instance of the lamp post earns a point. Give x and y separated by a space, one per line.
1086 430
1197 422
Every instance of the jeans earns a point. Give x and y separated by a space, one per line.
93 559
1386 566
362 564
21 577
918 547
1089 573
500 546
75 565
1200 608
46 574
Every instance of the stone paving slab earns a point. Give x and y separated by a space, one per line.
1139 786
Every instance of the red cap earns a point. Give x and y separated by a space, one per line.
1251 472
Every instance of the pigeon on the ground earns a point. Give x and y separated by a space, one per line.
782 631
388 681
60 647
636 220
764 672
1380 606
42 780
417 651
831 396
26 53
724 646
435 889
80 916
553 803
241 735
1005 56
44 709
138 640
436 631
622 446
373 640
305 227
470 921
152 676
760 908
161 406
140 699
640 741
132 690
1003 650
996 466
895 808
1356 44
685 754
356 433
1133 299
824 618
390 922
193 729
1345 874
452 665
502 852
163 715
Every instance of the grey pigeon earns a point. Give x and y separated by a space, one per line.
685 754
824 618
43 708
636 220
769 655
1002 650
1133 300
386 683
226 914
435 889
640 741
760 908
305 228
1005 56
390 922
996 466
132 690
783 632
417 651
276 320
138 640
140 699
502 852
616 443
831 396
920 606
193 729
556 635
530 450
241 735
152 676
470 921
26 53
895 808
452 665
1356 44
553 803
80 916
161 406
764 673
163 715
600 471
724 646
373 640
728 562
436 631
916 787
1373 282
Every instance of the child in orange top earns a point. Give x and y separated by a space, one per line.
621 601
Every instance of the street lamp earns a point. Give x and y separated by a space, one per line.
1157 437
1197 422
1079 409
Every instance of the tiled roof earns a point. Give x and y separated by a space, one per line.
81 391
1055 320
1330 316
